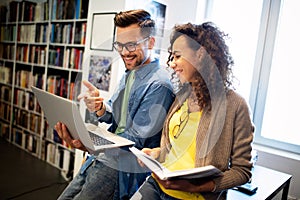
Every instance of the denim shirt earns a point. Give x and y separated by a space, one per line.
150 98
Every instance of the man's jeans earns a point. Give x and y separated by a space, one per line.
97 182
150 190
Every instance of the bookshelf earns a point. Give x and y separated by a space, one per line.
41 44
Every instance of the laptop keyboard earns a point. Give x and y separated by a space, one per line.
98 141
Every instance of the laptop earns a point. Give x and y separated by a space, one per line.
59 109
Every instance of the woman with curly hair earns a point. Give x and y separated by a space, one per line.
208 124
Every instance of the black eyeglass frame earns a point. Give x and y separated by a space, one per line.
182 123
129 48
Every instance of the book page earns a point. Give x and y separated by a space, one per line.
163 173
150 162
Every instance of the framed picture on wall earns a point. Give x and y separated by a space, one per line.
103 31
100 71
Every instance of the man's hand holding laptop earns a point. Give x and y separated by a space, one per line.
64 134
93 103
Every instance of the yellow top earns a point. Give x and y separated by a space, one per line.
183 128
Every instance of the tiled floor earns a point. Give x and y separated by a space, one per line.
25 177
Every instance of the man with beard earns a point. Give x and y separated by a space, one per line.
136 111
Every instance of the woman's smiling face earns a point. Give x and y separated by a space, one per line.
184 60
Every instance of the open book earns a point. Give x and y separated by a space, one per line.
163 173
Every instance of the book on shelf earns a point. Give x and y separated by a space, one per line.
41 33
83 33
163 173
50 152
66 160
7 52
35 123
33 144
6 93
3 12
13 7
70 10
23 78
20 117
39 12
68 165
18 136
58 85
4 130
54 8
5 75
84 9
78 4
5 111
27 11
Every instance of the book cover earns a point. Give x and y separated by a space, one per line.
163 173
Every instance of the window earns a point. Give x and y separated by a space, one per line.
278 102
240 20
264 46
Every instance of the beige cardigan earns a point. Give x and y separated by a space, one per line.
231 137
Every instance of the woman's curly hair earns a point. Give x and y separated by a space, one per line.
217 54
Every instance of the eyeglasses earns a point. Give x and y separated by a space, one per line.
178 128
130 46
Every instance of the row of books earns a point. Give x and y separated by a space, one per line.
7 51
12 11
31 54
30 11
32 33
25 79
26 33
35 123
8 33
20 117
57 155
63 33
69 9
28 120
71 58
26 100
55 84
60 86
41 33
60 157
26 140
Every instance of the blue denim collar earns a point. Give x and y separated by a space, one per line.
143 71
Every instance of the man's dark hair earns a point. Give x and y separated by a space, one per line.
140 17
